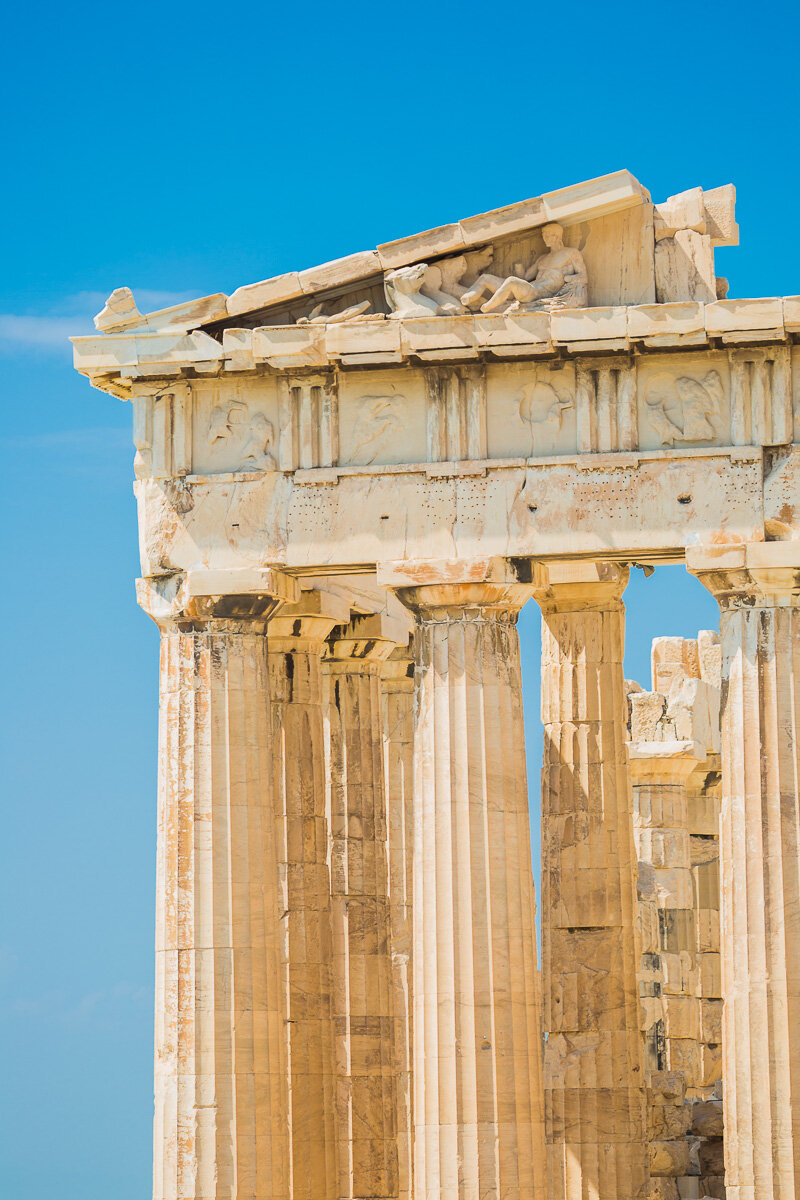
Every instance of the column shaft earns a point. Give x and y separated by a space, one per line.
760 865
221 1104
478 1122
297 715
362 988
594 1065
398 747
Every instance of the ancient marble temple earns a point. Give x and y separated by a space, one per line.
350 479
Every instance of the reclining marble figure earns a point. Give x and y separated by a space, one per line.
557 279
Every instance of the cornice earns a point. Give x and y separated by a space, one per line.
113 361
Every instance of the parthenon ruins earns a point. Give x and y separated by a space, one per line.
350 479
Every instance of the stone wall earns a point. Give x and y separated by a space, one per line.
674 753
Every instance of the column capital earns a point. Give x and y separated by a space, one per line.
664 762
438 585
305 624
573 585
397 672
748 575
236 600
366 639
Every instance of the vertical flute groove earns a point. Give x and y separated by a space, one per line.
220 1087
760 865
398 734
297 716
478 1117
363 989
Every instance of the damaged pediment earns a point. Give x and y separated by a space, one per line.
577 246
571 260
687 228
596 243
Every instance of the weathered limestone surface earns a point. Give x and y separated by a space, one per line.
364 1020
530 399
398 740
477 1040
758 590
594 1063
296 644
674 757
221 1090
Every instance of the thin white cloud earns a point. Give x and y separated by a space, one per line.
18 332
109 1006
51 331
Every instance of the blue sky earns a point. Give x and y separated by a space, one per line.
188 149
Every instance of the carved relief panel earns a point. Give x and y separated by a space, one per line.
234 427
531 410
382 418
684 402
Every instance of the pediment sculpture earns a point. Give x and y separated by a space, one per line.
460 285
466 267
465 283
556 279
435 289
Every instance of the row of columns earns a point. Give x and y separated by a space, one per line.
308 886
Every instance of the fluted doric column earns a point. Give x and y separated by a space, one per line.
397 679
221 1102
478 1122
366 1071
594 1062
296 644
758 591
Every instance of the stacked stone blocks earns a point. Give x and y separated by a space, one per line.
674 754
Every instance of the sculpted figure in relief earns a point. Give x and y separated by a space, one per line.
446 279
380 420
254 434
434 289
404 295
319 316
556 280
541 406
681 409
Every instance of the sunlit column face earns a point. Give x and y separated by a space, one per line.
476 1029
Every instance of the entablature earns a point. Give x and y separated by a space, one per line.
417 416
561 378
